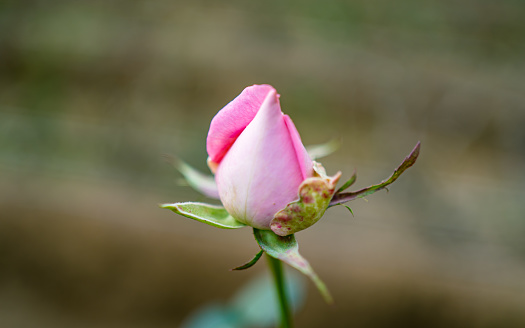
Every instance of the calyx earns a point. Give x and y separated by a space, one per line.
314 194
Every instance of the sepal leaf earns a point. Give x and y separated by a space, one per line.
250 263
348 183
348 208
323 150
212 215
314 194
344 197
203 183
286 249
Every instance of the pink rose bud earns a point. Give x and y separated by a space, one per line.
257 156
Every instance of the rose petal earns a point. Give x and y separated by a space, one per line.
305 162
232 119
260 174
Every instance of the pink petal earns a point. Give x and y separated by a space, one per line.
305 162
260 174
232 119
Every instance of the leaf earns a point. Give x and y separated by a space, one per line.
340 198
323 150
255 304
348 209
203 183
348 183
286 249
210 214
250 263
258 305
213 315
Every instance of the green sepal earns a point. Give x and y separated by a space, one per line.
314 196
249 264
348 208
203 183
344 197
322 150
348 183
286 249
213 215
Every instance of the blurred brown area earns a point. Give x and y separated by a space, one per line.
92 93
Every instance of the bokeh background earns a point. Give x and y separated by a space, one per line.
93 93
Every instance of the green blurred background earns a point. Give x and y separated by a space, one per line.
92 93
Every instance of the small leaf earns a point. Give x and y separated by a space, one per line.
349 209
286 249
322 150
203 183
344 197
348 183
210 214
250 263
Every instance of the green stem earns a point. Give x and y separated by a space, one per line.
276 267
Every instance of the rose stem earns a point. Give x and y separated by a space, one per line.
276 267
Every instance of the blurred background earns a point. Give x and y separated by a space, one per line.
93 93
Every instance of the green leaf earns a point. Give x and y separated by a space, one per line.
250 263
323 150
257 303
348 183
210 214
203 183
286 249
344 197
348 209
